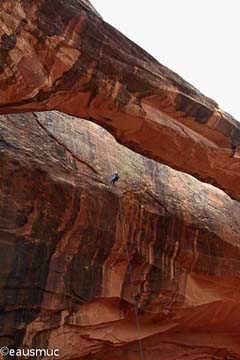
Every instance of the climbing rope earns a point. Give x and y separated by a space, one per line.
131 283
141 354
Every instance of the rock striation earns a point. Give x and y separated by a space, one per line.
64 276
57 54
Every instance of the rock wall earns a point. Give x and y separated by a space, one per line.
58 54
66 238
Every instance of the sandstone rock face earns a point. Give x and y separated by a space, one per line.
65 278
58 54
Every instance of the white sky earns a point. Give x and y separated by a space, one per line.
198 39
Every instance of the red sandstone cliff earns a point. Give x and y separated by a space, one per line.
64 276
58 54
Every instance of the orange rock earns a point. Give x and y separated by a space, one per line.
61 55
65 280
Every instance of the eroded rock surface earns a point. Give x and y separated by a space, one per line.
65 280
58 54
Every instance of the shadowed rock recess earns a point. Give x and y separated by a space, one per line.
67 238
65 280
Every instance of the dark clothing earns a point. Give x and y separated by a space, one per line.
115 178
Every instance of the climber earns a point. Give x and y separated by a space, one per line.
115 178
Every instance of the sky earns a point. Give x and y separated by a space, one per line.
198 39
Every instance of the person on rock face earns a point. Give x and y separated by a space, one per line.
115 178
